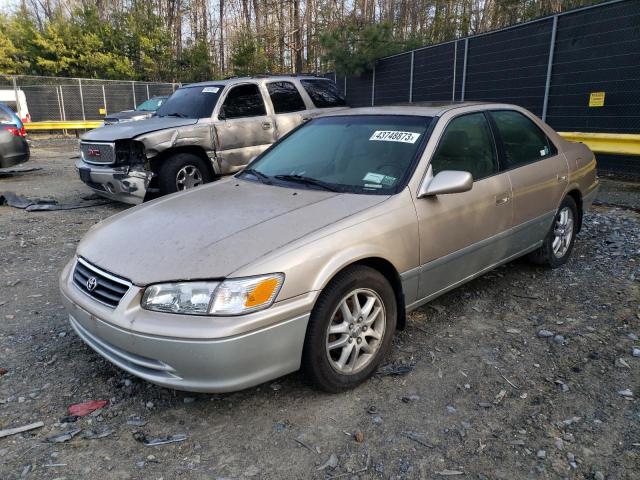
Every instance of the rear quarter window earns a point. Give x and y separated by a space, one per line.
522 140
285 97
323 93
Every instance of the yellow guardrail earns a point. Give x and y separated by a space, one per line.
63 125
615 143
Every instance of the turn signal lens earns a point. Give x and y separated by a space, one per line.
244 295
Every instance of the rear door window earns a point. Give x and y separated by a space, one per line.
323 93
467 145
243 101
285 97
522 140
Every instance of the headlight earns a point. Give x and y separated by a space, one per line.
231 297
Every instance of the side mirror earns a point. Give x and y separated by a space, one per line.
447 181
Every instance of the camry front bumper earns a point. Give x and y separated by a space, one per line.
194 358
124 184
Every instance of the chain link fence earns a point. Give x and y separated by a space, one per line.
41 99
579 70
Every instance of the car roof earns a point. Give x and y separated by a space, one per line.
234 80
423 109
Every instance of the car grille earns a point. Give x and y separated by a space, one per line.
98 153
98 284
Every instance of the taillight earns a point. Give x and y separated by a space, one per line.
18 132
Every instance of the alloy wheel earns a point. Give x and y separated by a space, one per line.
563 232
187 177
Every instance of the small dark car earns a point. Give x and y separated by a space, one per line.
14 148
143 111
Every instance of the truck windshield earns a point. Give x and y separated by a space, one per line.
151 105
369 154
191 102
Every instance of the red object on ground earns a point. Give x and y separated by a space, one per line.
82 409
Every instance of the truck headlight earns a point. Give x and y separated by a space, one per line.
235 296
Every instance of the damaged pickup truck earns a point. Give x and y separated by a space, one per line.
203 131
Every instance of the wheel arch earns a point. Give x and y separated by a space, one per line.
191 149
387 269
577 197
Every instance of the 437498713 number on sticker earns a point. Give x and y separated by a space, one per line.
394 136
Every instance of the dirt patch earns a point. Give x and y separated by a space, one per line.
490 396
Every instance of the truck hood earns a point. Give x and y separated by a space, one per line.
126 114
110 133
212 231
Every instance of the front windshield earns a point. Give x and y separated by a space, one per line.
191 102
151 105
372 154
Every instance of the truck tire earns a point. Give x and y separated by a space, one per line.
182 171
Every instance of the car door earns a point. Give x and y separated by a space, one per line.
245 127
288 106
538 174
462 234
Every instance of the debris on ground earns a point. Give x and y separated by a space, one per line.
18 169
358 436
396 369
142 438
625 393
94 435
331 463
63 436
83 409
25 428
3 371
40 205
136 422
417 437
448 473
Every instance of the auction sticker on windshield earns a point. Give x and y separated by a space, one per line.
210 90
394 136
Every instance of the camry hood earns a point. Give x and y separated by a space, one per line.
127 130
212 231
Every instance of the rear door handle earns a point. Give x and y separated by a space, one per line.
561 178
502 199
266 125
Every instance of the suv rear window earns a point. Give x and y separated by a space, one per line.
285 97
323 93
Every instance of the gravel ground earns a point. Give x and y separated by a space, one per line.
487 395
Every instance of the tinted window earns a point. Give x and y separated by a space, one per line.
467 145
7 116
522 140
191 102
323 93
285 97
243 101
360 154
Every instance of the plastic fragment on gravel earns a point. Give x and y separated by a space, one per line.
63 436
142 438
331 463
25 428
395 369
448 473
93 435
625 393
82 409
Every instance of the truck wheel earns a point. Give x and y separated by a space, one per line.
350 329
558 244
182 172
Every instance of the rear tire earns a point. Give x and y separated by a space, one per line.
182 171
361 332
558 244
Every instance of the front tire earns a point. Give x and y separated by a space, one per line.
558 244
182 171
350 329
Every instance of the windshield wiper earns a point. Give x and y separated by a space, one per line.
307 181
174 114
259 175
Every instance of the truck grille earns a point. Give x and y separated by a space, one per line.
98 284
98 153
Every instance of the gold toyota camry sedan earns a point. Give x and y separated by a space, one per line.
312 256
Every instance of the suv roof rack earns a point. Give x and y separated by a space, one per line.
267 75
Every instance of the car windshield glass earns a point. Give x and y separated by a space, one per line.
191 102
150 105
372 154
